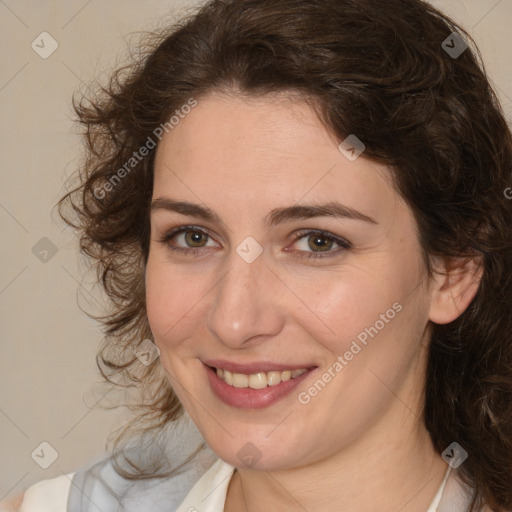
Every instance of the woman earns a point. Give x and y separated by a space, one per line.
298 209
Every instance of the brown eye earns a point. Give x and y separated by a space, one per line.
320 243
188 239
195 238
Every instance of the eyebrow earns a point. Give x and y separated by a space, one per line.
185 208
331 209
276 216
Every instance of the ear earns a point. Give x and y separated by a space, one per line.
454 285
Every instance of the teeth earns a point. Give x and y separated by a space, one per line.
240 380
274 378
258 380
228 377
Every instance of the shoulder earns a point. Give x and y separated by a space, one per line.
100 486
45 496
109 491
103 485
12 504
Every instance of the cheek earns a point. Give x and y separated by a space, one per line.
171 301
350 311
384 302
376 328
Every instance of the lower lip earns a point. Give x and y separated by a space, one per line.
248 398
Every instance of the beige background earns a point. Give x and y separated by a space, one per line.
48 345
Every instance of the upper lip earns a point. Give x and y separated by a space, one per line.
254 367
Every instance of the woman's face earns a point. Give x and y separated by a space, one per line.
271 250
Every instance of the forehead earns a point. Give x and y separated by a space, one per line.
222 127
266 149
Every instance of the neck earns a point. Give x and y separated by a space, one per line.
403 472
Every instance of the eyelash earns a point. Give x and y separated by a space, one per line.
343 244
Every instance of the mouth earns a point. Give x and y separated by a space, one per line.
258 380
254 389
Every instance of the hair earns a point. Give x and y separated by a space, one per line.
370 68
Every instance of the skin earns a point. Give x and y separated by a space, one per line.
12 504
360 441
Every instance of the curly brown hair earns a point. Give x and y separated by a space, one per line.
372 68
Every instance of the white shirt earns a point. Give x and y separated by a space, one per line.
208 494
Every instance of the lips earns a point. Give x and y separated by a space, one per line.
255 367
240 394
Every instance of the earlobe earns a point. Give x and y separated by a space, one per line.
454 285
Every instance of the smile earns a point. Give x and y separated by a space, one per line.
257 389
258 380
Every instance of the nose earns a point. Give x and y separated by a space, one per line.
245 308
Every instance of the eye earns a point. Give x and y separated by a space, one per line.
192 238
319 244
187 239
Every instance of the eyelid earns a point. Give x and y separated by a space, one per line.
168 235
299 234
343 243
339 239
